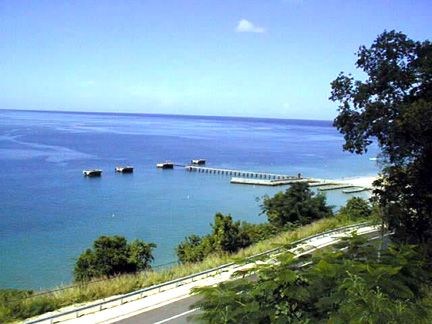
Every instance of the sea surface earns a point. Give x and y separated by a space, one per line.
50 212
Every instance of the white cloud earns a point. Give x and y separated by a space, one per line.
245 26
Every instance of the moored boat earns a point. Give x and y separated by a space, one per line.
165 165
124 169
92 173
198 162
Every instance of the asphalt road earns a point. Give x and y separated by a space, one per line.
177 312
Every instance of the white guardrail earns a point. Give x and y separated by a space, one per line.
145 292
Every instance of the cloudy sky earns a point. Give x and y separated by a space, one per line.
268 58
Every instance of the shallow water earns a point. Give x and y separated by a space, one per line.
50 213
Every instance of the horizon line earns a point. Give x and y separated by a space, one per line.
159 114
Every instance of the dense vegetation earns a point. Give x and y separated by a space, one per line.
112 255
294 207
227 236
394 106
356 208
364 283
355 285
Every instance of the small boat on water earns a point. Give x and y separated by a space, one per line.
92 173
198 162
124 169
165 165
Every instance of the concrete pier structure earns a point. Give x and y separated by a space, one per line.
244 174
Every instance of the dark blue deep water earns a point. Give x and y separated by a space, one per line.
49 212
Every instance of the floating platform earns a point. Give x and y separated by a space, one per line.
264 182
198 162
92 173
165 165
354 190
318 183
336 187
124 169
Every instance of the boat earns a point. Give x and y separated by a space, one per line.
124 169
198 162
165 165
92 173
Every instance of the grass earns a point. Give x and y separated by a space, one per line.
16 305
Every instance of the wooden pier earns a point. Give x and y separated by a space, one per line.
244 174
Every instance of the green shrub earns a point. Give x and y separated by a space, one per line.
356 208
296 206
112 255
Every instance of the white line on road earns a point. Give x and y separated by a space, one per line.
176 316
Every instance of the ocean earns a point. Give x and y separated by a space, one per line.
50 212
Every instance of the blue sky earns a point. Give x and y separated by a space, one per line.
268 58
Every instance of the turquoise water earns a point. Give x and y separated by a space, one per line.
50 213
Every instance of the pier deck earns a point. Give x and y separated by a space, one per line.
244 174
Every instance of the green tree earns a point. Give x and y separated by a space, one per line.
227 234
355 285
296 206
112 255
191 249
356 207
393 105
85 266
140 255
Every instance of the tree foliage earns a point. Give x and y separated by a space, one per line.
112 255
227 236
355 208
356 285
394 106
296 206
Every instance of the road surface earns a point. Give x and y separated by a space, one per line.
177 312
